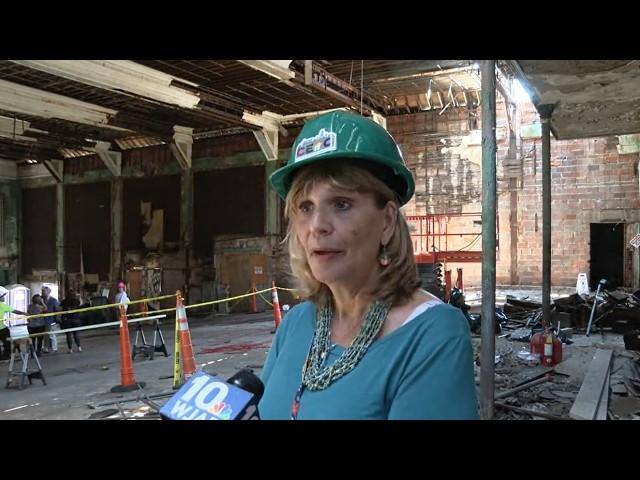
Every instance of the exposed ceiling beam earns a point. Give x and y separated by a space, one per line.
181 146
267 137
32 151
415 76
120 76
113 160
141 82
38 103
343 91
55 168
276 68
15 129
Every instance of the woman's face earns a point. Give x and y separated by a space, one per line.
341 232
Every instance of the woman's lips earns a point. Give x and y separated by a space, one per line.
326 254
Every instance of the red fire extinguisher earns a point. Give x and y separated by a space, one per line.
552 349
548 347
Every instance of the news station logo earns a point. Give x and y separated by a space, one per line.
205 397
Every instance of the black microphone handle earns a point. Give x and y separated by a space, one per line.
248 381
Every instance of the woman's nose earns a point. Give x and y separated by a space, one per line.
320 222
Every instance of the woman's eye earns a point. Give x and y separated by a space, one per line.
343 204
305 207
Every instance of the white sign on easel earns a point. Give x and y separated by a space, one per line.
582 285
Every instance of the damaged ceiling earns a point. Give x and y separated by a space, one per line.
592 97
56 109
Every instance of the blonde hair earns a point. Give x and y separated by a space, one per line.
398 280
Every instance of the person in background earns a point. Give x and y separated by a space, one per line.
4 329
71 320
52 305
122 297
39 324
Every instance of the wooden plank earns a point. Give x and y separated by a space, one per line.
588 399
603 406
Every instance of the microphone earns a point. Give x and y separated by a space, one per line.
205 397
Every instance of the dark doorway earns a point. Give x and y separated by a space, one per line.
607 254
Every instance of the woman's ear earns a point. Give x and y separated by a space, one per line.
390 218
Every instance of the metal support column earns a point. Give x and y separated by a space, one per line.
545 118
186 225
116 228
487 354
60 236
272 202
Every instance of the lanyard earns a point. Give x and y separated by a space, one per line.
296 400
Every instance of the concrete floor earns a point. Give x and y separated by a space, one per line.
222 346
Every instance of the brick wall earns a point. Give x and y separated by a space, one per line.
591 183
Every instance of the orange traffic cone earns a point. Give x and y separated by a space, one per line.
127 378
186 350
277 316
254 306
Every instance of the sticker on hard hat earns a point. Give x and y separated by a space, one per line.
310 147
205 397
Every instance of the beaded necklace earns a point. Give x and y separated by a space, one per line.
317 376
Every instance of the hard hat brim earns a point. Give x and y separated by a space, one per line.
402 183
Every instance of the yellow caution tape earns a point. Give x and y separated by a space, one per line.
202 304
146 300
89 309
266 300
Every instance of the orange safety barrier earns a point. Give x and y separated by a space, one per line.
277 316
127 377
186 350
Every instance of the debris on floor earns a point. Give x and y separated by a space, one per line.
599 375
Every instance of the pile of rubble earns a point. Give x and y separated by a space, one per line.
599 375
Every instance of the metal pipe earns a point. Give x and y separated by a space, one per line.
601 284
487 353
545 117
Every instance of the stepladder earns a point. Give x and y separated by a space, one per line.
23 350
146 349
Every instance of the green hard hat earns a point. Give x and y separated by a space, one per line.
345 135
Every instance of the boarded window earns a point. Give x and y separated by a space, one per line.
229 201
38 229
87 225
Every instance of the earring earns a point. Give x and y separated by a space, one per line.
384 259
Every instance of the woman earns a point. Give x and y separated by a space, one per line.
368 343
71 320
38 324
